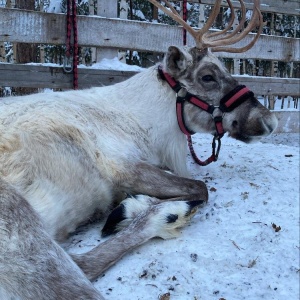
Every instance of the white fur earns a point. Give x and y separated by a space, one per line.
133 206
158 227
109 128
69 155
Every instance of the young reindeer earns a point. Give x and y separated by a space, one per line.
65 158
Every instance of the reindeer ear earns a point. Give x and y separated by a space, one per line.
176 61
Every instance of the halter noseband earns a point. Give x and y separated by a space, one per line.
228 103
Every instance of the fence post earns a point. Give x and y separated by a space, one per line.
296 100
271 100
108 9
2 47
11 4
42 46
274 63
25 52
2 52
236 61
265 100
92 13
295 35
123 15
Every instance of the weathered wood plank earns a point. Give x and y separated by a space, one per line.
107 9
15 75
287 7
47 28
271 85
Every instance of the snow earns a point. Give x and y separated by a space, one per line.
54 6
103 64
230 250
244 244
138 13
114 64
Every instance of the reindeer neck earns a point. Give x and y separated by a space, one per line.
157 115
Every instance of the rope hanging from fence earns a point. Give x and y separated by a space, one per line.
72 51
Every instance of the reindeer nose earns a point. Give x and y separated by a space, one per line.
269 123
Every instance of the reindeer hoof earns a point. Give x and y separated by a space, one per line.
165 219
194 205
169 216
124 213
115 217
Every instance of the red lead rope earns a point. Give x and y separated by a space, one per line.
214 155
72 51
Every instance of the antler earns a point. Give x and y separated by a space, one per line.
217 40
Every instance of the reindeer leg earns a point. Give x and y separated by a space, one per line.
130 208
149 180
32 265
153 181
159 220
150 216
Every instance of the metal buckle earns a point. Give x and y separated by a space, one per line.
216 154
181 94
214 115
68 64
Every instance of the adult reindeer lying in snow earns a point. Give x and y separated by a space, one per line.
65 158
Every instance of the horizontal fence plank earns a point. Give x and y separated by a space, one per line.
271 85
47 28
287 7
17 75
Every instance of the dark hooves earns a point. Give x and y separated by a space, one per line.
114 218
194 205
119 214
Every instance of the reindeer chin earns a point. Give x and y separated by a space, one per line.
245 138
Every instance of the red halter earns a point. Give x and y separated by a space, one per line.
229 102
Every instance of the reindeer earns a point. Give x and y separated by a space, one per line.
67 158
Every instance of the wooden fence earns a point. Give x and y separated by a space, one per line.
20 26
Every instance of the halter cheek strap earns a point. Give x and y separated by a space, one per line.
229 102
235 98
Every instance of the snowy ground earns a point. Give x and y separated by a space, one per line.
243 245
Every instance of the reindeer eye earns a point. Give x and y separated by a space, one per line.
207 78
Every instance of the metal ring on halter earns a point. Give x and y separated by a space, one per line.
181 94
68 64
213 115
216 154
